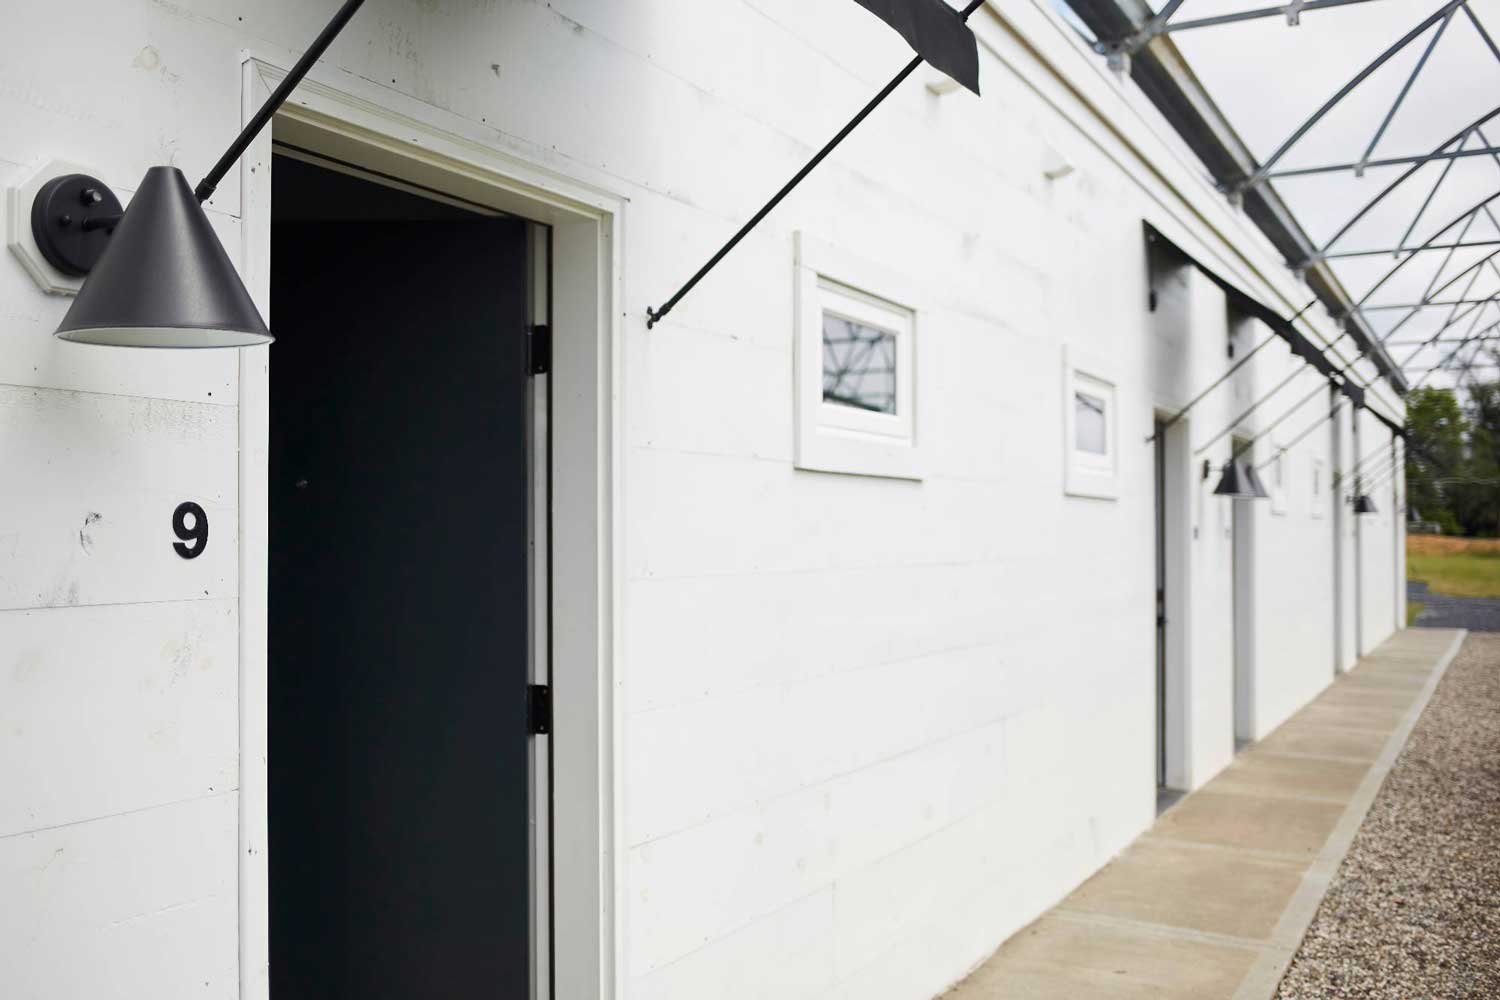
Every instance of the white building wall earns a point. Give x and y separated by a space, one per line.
870 727
1293 537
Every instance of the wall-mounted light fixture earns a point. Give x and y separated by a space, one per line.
157 275
1252 475
1239 482
1364 505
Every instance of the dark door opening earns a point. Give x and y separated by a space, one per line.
1171 516
398 595
1242 562
1161 605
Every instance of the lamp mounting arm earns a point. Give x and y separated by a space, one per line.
210 182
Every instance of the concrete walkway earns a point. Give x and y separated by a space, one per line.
1212 902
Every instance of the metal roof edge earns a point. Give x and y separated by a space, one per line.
1164 76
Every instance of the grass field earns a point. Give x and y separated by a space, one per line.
1463 567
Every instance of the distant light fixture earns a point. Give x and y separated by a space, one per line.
157 275
1253 475
1055 166
1364 505
1237 483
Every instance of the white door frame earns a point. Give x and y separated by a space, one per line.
345 117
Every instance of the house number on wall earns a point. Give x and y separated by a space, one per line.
196 532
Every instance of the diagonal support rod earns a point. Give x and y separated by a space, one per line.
1444 11
653 316
210 182
1437 36
1223 378
1256 14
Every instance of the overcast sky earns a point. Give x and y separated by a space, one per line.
1268 78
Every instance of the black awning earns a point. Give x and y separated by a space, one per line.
1308 351
1279 324
936 32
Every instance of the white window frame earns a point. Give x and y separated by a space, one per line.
832 437
1319 487
1086 473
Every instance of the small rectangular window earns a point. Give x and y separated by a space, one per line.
858 367
1090 424
1278 483
1090 429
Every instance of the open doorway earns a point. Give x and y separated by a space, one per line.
1171 520
1243 558
402 791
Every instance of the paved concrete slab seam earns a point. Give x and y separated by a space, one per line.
1325 727
1259 792
1264 977
1157 930
1200 845
1309 756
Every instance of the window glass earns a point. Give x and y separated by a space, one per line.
1090 427
859 364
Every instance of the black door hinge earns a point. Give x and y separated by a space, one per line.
538 709
539 349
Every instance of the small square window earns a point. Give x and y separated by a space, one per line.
856 367
1091 434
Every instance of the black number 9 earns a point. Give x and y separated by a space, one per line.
197 532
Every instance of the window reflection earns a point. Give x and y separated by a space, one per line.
1090 430
859 365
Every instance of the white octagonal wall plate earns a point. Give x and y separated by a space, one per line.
18 236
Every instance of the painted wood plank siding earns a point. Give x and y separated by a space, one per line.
870 727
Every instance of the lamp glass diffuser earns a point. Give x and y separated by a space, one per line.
164 280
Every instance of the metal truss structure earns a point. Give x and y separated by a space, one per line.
1439 280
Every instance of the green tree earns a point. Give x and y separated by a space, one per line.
1475 499
1437 450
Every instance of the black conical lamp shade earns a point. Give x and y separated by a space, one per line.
1235 482
164 280
1363 504
1256 486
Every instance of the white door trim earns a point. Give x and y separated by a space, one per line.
352 119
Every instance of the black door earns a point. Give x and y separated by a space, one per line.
398 596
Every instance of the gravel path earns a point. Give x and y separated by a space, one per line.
1414 910
1477 614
